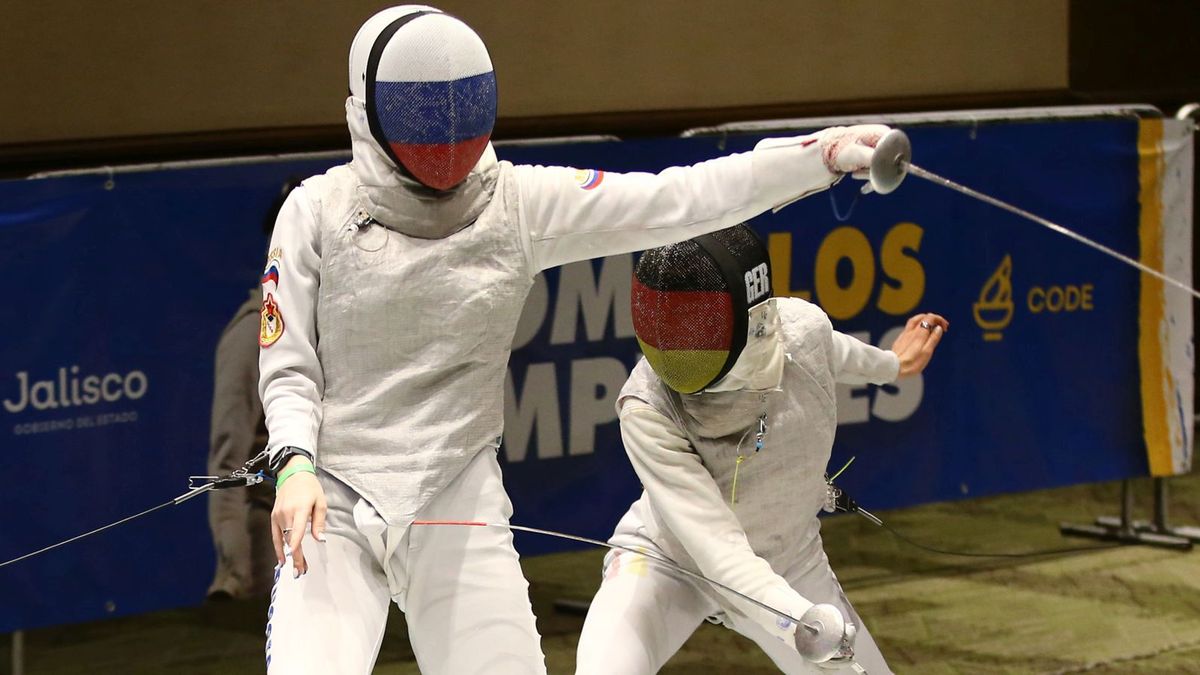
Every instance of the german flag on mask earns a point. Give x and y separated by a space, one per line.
690 304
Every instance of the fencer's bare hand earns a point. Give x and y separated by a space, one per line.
916 343
849 149
298 503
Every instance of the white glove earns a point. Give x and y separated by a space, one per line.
825 636
849 149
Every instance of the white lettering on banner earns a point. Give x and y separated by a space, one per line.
72 423
857 404
595 384
578 289
109 393
536 405
135 385
64 391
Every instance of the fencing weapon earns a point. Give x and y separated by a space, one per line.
892 161
245 476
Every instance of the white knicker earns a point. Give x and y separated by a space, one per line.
644 612
461 588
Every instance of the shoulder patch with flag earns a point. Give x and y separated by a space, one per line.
271 273
589 179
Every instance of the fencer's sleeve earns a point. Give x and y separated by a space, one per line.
686 498
291 381
569 215
856 362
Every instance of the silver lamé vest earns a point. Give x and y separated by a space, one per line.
781 487
414 338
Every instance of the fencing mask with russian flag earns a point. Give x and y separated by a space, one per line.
691 304
429 89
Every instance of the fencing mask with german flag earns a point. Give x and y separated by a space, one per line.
691 302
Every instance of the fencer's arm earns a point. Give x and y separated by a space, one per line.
856 362
564 222
291 382
687 499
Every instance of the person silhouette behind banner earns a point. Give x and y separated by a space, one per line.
240 520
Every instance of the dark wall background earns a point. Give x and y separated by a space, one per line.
119 80
1144 51
89 83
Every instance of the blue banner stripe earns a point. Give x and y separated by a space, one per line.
437 112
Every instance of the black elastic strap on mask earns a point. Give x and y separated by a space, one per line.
731 269
373 59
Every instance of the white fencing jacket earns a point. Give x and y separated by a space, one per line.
685 449
398 305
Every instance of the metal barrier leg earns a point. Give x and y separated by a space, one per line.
1127 531
1160 524
18 653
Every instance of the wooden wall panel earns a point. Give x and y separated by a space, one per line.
91 69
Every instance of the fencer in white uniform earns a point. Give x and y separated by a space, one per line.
730 438
391 296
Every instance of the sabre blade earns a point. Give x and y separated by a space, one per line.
1091 243
848 659
669 564
604 544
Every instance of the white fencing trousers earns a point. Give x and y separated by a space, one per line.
644 612
461 588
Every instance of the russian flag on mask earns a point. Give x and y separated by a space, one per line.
436 101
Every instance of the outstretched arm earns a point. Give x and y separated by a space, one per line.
856 362
569 215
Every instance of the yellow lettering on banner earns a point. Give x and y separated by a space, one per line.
1036 299
850 244
904 269
1055 299
779 246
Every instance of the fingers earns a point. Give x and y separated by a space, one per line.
913 333
299 522
849 149
853 157
869 134
935 336
277 538
927 321
318 521
918 340
938 320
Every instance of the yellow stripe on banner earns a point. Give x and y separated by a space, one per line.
1156 379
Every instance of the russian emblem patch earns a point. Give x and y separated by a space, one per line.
270 327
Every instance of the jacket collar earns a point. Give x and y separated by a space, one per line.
399 202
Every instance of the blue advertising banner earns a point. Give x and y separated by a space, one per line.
118 290
122 285
1037 384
